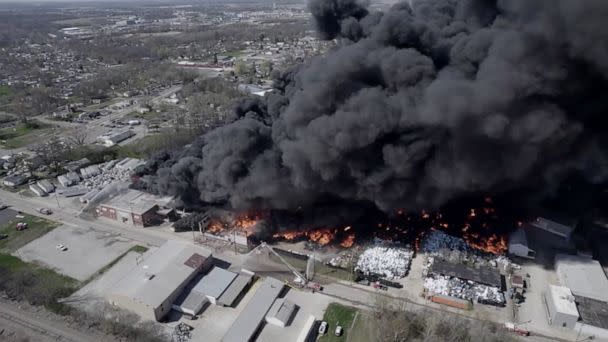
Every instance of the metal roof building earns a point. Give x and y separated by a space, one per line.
190 303
584 276
518 244
563 228
281 312
151 288
252 316
214 283
232 293
561 308
593 312
594 318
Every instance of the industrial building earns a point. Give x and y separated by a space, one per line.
236 289
45 185
136 208
14 180
560 306
191 303
561 227
593 318
584 276
250 320
214 283
37 190
281 312
69 179
518 245
112 139
154 286
218 287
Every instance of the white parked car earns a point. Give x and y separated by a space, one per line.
61 247
338 331
323 328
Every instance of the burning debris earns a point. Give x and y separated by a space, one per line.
388 262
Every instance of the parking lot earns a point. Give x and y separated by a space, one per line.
87 251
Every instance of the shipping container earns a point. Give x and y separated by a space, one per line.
452 301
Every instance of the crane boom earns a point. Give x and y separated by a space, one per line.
291 268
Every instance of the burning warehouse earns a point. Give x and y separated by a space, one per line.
414 109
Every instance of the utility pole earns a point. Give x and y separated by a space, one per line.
57 199
234 232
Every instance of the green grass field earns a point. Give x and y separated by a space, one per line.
16 239
5 91
22 134
34 284
361 331
337 314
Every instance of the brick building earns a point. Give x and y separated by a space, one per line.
136 208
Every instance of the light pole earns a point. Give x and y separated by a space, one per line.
57 199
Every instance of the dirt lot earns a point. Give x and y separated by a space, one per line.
88 251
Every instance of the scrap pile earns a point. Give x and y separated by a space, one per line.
110 172
343 260
388 262
182 333
439 244
436 241
464 289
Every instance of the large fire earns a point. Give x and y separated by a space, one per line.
247 222
322 236
478 226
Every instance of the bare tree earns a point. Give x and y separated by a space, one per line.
399 321
78 137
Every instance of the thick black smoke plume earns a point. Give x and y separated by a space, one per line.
416 106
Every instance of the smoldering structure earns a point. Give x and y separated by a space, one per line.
415 107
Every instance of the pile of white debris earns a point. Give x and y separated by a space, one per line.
389 262
112 171
463 289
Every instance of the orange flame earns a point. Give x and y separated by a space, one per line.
215 227
348 241
246 222
493 244
322 236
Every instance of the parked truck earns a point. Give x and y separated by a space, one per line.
512 327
